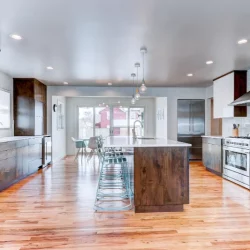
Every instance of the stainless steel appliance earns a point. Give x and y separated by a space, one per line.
47 150
191 125
236 160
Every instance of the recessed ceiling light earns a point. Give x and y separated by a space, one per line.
109 83
209 62
242 41
66 83
49 68
190 74
16 36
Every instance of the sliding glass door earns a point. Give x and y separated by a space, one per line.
114 120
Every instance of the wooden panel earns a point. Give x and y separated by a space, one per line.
216 124
240 88
26 92
161 176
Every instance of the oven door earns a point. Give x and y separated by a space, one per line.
236 159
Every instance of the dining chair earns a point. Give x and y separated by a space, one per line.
79 144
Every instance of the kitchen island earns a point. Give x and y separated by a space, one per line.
161 172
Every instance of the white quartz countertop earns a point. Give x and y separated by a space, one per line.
18 138
213 136
130 142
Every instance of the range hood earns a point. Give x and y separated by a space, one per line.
244 100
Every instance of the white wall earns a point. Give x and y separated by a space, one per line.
172 94
161 117
58 135
72 114
6 83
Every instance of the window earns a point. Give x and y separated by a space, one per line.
94 121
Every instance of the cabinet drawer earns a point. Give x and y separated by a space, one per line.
7 154
35 141
22 143
214 141
7 145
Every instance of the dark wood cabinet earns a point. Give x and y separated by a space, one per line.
30 109
161 179
19 159
212 154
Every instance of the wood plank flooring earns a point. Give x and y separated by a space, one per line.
53 209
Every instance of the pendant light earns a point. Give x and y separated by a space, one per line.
143 87
137 92
133 96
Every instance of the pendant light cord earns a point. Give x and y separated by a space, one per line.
143 64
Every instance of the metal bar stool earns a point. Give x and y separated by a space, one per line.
114 183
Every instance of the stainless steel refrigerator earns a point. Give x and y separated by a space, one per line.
191 125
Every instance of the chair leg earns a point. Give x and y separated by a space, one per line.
77 153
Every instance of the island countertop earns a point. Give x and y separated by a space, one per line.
130 142
18 138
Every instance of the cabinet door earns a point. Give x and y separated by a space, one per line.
224 95
198 117
7 172
19 163
161 176
184 117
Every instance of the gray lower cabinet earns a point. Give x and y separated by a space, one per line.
212 154
18 159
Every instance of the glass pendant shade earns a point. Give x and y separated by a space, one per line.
143 87
133 100
137 95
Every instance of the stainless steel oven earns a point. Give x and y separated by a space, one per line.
236 161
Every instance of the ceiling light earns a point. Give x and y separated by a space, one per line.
49 68
110 84
66 83
143 87
209 62
242 41
118 102
16 37
190 74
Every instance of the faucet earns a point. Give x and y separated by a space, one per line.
133 130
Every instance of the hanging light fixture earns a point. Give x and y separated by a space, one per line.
143 87
133 96
137 92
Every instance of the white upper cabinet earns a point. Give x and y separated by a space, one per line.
227 89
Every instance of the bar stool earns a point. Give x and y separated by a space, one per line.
114 183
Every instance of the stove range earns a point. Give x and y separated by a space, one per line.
236 160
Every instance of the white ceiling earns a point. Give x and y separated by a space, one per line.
93 42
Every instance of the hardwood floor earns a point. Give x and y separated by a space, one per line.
53 209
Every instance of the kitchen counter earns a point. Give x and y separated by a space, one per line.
161 173
130 142
18 138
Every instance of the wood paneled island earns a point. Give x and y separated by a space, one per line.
161 172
